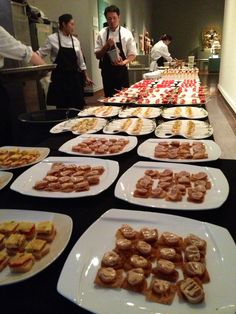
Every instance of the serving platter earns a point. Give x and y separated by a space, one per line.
132 126
100 111
5 178
184 112
141 112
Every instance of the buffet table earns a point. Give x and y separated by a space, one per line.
39 293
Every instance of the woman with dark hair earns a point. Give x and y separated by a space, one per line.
160 52
66 87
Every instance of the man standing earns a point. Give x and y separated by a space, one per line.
114 72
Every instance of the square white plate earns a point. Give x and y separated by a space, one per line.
79 271
43 153
67 147
146 149
63 224
25 182
214 198
5 178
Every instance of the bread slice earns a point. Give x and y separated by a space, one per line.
3 260
27 228
15 243
38 248
21 263
45 230
8 227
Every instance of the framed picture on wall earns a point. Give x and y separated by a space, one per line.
102 4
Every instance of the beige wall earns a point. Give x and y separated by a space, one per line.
227 80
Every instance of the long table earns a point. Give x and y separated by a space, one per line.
39 294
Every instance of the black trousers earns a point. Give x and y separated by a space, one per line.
5 118
114 78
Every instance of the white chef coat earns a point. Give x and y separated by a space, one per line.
12 48
51 47
127 40
160 49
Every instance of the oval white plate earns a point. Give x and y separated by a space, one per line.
100 111
141 112
183 112
5 178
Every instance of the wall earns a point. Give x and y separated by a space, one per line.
184 20
227 79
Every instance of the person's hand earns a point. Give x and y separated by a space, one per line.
110 43
89 81
120 62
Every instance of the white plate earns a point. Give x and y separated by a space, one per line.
116 100
115 126
5 178
66 126
146 149
183 112
43 153
100 111
63 224
214 198
202 129
67 147
142 112
78 274
25 182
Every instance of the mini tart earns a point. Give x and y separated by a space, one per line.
8 227
126 231
108 277
165 270
3 260
112 259
135 281
161 291
191 290
138 261
149 235
170 254
193 239
21 262
26 228
196 270
170 239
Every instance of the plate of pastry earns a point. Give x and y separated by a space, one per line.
99 145
184 112
133 238
80 125
12 157
67 177
100 111
180 150
173 186
192 129
131 126
30 241
141 112
5 178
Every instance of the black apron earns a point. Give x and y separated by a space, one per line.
66 87
114 77
5 117
160 62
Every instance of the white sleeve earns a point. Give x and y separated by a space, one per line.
12 48
45 49
98 43
131 46
165 53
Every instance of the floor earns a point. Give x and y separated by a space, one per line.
221 117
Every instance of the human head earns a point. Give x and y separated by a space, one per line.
166 39
66 24
112 14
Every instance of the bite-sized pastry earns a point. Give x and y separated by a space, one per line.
135 280
170 239
165 270
195 196
192 254
123 244
45 230
152 173
200 243
166 173
8 227
141 192
174 195
15 243
27 228
170 254
3 260
126 231
161 291
149 235
199 176
196 269
191 290
21 262
108 277
112 259
158 192
81 186
38 248
145 182
93 180
2 241
145 249
138 261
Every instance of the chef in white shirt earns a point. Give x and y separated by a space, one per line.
66 87
160 52
12 49
114 73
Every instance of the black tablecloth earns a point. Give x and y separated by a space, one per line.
39 294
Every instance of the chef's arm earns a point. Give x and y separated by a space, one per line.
99 53
36 59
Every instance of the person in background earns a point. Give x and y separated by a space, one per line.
160 52
12 49
66 87
114 73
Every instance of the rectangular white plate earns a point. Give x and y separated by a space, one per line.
5 178
78 274
43 151
25 182
67 147
214 198
146 149
197 113
99 111
63 224
148 126
142 112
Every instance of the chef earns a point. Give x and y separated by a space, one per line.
160 52
114 72
12 49
66 87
